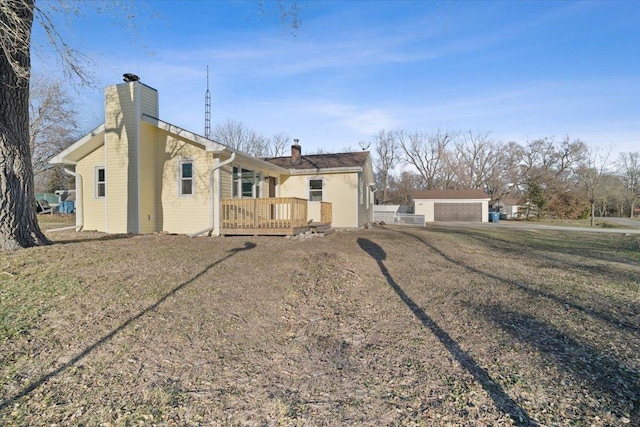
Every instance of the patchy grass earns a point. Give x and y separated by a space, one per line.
403 326
51 221
581 223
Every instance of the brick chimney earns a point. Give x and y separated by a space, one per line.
296 151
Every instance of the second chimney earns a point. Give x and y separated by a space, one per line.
296 151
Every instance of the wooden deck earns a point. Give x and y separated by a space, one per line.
275 216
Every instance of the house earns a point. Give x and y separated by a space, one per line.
452 205
345 180
138 174
511 207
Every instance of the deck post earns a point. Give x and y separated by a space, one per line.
255 213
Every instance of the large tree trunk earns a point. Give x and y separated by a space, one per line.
18 224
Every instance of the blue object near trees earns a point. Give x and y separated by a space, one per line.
66 207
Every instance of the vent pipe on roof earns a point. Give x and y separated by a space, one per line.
296 151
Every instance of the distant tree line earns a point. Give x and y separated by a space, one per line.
554 178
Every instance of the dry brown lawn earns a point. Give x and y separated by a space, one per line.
404 326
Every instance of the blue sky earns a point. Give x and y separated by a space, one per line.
521 70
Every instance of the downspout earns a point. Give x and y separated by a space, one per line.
212 194
79 213
372 203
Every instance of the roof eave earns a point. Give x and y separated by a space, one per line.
174 130
257 162
61 157
325 170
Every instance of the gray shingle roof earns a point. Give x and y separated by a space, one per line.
322 161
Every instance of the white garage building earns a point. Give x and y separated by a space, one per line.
452 205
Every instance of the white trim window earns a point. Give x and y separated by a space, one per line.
185 171
101 182
316 188
245 183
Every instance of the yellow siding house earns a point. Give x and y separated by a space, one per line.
138 174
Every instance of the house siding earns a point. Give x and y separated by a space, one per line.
365 209
147 179
93 208
121 158
149 102
182 214
340 189
226 180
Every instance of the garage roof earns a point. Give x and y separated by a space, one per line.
450 194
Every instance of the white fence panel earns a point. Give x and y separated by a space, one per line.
410 219
398 218
388 217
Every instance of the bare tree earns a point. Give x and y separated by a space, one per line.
548 169
612 195
241 137
325 150
53 122
402 186
426 152
478 156
504 178
591 172
277 144
387 157
629 170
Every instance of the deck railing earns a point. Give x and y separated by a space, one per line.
266 214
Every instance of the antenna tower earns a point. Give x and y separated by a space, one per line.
207 109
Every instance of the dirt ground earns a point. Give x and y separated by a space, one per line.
377 327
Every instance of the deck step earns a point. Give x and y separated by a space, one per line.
328 231
318 227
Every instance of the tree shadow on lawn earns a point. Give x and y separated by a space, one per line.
616 321
43 379
501 399
604 373
103 238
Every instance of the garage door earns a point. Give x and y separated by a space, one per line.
465 212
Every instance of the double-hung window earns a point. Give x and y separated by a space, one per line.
315 190
101 183
186 178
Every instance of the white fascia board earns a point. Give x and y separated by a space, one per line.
80 148
323 170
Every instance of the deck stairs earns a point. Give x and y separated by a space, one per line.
321 228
